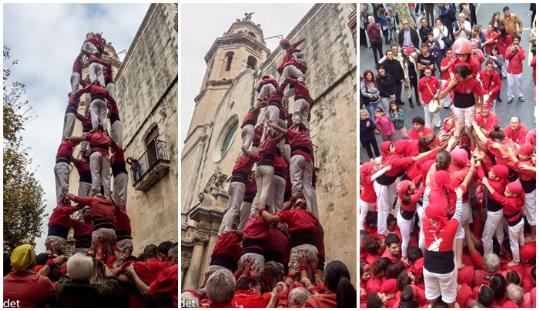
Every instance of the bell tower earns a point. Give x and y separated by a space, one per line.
240 48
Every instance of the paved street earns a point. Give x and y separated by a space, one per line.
524 110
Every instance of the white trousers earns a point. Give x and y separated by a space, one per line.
264 182
111 89
74 81
438 284
265 90
516 239
302 110
245 212
100 169
116 132
301 176
432 118
529 207
98 113
464 114
385 196
247 135
84 189
405 227
61 177
236 191
363 210
289 71
514 85
69 125
95 73
493 225
119 190
277 193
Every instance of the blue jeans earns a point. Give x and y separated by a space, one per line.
370 108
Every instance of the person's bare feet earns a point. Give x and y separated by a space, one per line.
512 263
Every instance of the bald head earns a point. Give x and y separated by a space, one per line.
298 296
515 293
491 262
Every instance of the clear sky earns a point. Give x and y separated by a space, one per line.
201 24
46 38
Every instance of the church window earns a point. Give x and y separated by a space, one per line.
227 141
229 56
251 62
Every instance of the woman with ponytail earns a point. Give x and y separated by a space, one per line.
339 291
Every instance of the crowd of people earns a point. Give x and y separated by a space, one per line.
101 270
448 209
270 246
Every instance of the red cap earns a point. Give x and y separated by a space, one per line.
462 46
515 187
465 275
460 157
527 252
500 171
526 149
403 186
385 147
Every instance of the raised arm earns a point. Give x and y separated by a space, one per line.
77 138
268 217
277 128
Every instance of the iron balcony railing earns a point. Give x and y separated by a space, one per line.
156 152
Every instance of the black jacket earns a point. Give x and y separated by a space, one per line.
386 85
394 68
366 133
413 35
81 294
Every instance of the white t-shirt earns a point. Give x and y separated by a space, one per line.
463 34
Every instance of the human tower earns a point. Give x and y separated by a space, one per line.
103 227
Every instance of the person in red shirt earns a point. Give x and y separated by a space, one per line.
76 73
491 39
302 100
124 241
428 88
514 55
265 86
255 234
249 294
339 291
103 211
440 272
408 197
70 115
220 289
82 231
301 163
248 125
516 131
86 123
486 119
418 129
367 195
512 201
445 77
227 251
115 122
119 173
23 288
99 97
291 64
490 79
62 168
59 227
85 176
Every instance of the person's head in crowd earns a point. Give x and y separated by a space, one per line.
371 245
515 293
23 257
438 23
162 250
173 254
489 64
394 269
525 151
425 143
371 19
371 219
497 172
463 71
405 24
516 41
513 189
512 277
379 112
506 11
368 76
424 23
476 30
476 304
462 48
297 297
485 296
502 30
337 280
405 190
424 49
497 284
418 123
393 244
413 253
497 134
407 298
462 17
514 123
189 300
393 106
430 37
246 282
149 252
220 287
395 49
273 273
364 273
404 278
428 72
443 160
376 300
494 51
391 223
381 70
490 28
364 114
378 268
80 267
389 54
495 17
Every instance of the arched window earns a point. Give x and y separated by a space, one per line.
152 145
227 141
229 56
252 34
251 62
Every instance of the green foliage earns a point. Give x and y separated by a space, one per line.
24 206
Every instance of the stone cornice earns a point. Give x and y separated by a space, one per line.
236 39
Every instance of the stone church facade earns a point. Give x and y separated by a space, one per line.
147 93
236 61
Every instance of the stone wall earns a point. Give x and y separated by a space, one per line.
147 86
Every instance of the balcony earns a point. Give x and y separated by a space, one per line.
151 166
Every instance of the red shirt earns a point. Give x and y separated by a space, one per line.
268 149
515 60
491 35
243 165
299 141
149 270
30 289
99 206
255 228
229 244
65 150
280 165
95 90
81 166
300 90
266 81
366 187
444 236
491 82
470 87
423 88
249 299
504 43
413 134
518 135
530 137
166 284
99 142
122 223
86 123
118 157
445 73
325 300
471 63
299 220
489 122
250 117
60 215
77 65
289 58
511 206
277 241
81 229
